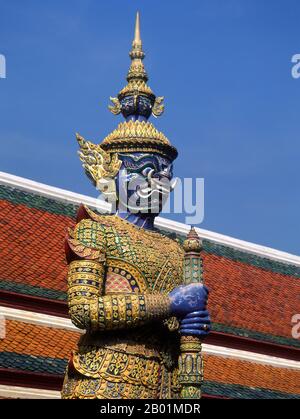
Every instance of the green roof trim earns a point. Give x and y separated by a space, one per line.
33 290
32 363
235 391
251 334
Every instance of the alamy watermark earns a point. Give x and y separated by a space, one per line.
296 326
2 327
2 67
296 66
144 195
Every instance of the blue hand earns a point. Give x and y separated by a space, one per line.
196 324
187 299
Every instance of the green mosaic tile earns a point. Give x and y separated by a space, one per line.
251 334
235 391
31 363
26 289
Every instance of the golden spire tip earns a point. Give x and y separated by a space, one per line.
137 33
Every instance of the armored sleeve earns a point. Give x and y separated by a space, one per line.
88 307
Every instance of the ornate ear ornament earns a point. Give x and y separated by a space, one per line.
116 107
158 107
97 163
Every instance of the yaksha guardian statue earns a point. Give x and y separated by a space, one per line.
125 278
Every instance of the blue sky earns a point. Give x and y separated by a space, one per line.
224 67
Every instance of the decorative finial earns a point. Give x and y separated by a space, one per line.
137 52
136 101
137 70
137 32
192 242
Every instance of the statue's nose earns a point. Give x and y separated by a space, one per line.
165 173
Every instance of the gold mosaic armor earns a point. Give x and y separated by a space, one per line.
118 280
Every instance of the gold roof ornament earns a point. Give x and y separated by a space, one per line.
136 102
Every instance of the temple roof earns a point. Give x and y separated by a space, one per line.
254 292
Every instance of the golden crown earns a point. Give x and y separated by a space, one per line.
138 136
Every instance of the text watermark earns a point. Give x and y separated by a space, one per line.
296 326
2 327
296 66
152 196
2 67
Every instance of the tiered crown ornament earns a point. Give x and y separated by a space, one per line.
136 102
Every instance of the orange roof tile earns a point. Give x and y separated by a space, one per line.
250 374
32 246
249 297
31 339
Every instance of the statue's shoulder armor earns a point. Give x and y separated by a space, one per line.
87 240
176 242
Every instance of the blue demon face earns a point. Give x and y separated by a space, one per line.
144 182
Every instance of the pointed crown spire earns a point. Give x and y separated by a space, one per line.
136 101
137 70
137 32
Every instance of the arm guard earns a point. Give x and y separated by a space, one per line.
90 310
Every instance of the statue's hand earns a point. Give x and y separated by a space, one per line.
196 324
187 299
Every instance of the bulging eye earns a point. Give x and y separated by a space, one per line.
146 171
